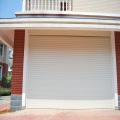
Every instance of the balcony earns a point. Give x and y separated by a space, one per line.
47 5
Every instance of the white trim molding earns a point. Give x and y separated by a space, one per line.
59 20
25 69
114 70
60 23
69 13
61 26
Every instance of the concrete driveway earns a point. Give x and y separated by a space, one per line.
4 103
40 114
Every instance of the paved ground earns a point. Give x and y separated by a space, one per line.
4 103
4 99
39 114
5 107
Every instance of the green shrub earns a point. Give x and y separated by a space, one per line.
5 92
6 81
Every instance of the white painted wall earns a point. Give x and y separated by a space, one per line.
96 6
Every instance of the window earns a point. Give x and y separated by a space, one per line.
1 72
1 49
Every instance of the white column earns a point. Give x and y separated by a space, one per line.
48 4
114 70
66 4
56 5
63 5
34 4
52 5
41 4
25 69
24 5
31 4
69 5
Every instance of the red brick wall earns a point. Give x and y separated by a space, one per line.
18 56
117 44
5 70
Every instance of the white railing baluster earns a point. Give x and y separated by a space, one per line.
69 5
63 5
31 4
34 4
24 5
28 5
48 4
58 5
38 4
66 4
55 4
52 4
45 4
41 4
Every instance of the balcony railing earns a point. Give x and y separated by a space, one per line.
48 5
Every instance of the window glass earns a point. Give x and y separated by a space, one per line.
0 72
1 49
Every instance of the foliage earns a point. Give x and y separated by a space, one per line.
11 67
1 87
6 81
5 92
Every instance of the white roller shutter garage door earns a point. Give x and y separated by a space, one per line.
69 73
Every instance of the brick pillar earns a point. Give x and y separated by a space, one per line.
17 71
117 45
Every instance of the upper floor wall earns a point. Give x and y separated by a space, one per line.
92 6
97 6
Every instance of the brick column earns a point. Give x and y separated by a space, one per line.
17 71
117 45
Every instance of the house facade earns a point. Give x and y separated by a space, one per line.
66 54
10 64
4 55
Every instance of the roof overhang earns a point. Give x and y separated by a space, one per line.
58 21
61 23
7 37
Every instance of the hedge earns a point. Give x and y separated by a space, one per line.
5 92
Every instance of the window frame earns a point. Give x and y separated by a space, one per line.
2 50
1 72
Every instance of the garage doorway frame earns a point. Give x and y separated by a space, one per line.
25 69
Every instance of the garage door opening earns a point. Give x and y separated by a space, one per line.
68 72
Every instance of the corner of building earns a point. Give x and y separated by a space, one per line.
17 74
